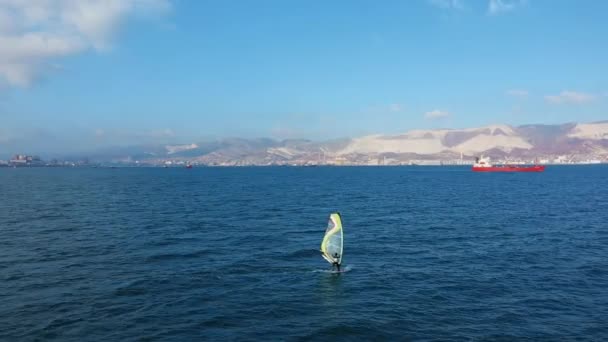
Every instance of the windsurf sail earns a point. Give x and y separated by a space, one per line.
332 245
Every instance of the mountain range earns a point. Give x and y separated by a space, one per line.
572 141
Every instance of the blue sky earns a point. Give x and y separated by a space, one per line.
147 71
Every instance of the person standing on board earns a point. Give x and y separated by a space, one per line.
336 264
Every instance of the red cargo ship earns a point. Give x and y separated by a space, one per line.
483 165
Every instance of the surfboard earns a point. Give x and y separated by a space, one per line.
332 246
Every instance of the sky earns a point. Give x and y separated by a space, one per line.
78 75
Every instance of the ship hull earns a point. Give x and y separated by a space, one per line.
535 168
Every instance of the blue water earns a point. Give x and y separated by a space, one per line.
232 254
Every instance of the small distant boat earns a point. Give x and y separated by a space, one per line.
332 245
189 166
483 165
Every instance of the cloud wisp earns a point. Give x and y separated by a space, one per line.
570 97
447 4
35 33
436 114
502 6
395 107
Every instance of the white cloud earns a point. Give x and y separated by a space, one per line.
501 6
518 93
568 96
436 114
447 4
34 33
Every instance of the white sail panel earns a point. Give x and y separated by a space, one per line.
332 245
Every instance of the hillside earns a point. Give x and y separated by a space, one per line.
572 141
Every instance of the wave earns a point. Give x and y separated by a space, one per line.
344 270
308 231
173 256
358 331
303 253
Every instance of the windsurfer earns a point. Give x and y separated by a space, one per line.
336 264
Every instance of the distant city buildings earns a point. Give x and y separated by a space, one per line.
24 160
388 159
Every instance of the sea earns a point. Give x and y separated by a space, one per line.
232 254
